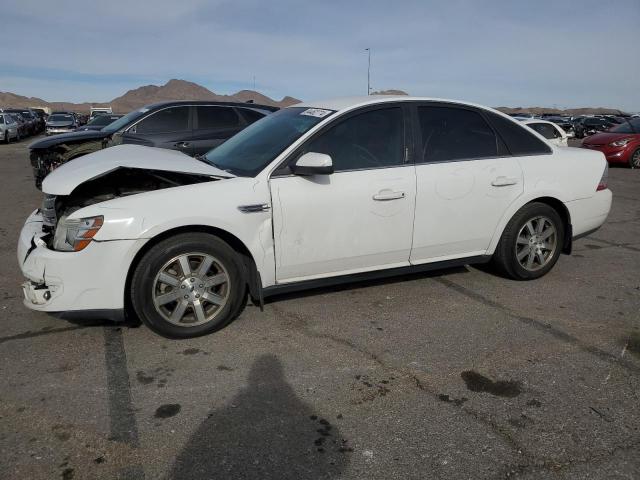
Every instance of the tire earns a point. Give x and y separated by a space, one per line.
6 137
518 240
634 160
166 298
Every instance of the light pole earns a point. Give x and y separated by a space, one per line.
368 50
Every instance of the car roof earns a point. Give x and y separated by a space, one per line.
215 103
349 103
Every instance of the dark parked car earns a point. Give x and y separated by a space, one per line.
99 122
590 125
23 126
42 117
61 123
190 127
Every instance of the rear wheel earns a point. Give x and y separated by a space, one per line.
6 137
188 285
634 161
531 243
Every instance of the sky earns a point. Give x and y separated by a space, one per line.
550 53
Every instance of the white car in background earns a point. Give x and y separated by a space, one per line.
8 128
314 194
549 130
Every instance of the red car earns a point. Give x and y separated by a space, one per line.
620 144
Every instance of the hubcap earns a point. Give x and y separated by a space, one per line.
636 159
537 243
191 289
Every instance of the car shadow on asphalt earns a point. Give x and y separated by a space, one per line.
264 432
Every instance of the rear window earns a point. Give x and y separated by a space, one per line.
60 118
544 129
450 133
251 116
519 140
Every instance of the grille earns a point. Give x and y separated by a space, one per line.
49 218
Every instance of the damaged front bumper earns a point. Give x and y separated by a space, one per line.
88 280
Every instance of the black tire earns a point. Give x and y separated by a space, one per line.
144 284
505 258
6 137
634 160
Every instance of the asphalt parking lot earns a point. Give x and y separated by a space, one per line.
453 374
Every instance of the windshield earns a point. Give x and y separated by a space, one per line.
60 118
631 126
251 150
125 121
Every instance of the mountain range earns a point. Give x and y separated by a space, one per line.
148 94
184 90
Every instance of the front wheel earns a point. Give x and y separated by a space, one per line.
188 285
531 242
634 161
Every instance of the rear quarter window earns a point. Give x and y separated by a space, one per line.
517 137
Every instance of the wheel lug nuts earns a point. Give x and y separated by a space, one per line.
193 280
197 295
186 297
182 286
201 285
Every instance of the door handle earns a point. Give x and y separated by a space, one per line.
504 181
181 144
385 195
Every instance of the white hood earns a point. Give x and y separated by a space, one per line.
64 179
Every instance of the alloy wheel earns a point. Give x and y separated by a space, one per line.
536 243
635 159
191 289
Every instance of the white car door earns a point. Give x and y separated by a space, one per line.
465 183
356 219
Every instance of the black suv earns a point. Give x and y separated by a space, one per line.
192 127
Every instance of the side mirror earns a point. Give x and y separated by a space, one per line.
313 163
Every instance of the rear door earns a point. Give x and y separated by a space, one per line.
465 182
213 125
169 128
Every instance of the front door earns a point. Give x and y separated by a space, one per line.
167 128
357 219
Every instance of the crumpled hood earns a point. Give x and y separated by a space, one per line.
52 141
64 179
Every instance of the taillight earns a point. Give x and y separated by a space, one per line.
604 181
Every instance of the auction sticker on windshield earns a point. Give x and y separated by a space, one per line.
316 112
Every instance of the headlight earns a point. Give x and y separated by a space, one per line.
74 235
620 143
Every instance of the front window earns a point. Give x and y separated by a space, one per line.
628 126
255 147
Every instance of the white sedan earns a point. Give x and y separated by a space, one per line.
549 130
315 194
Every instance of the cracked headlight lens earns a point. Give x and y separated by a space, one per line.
74 235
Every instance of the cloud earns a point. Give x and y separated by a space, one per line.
498 53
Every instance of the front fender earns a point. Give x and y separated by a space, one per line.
210 204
